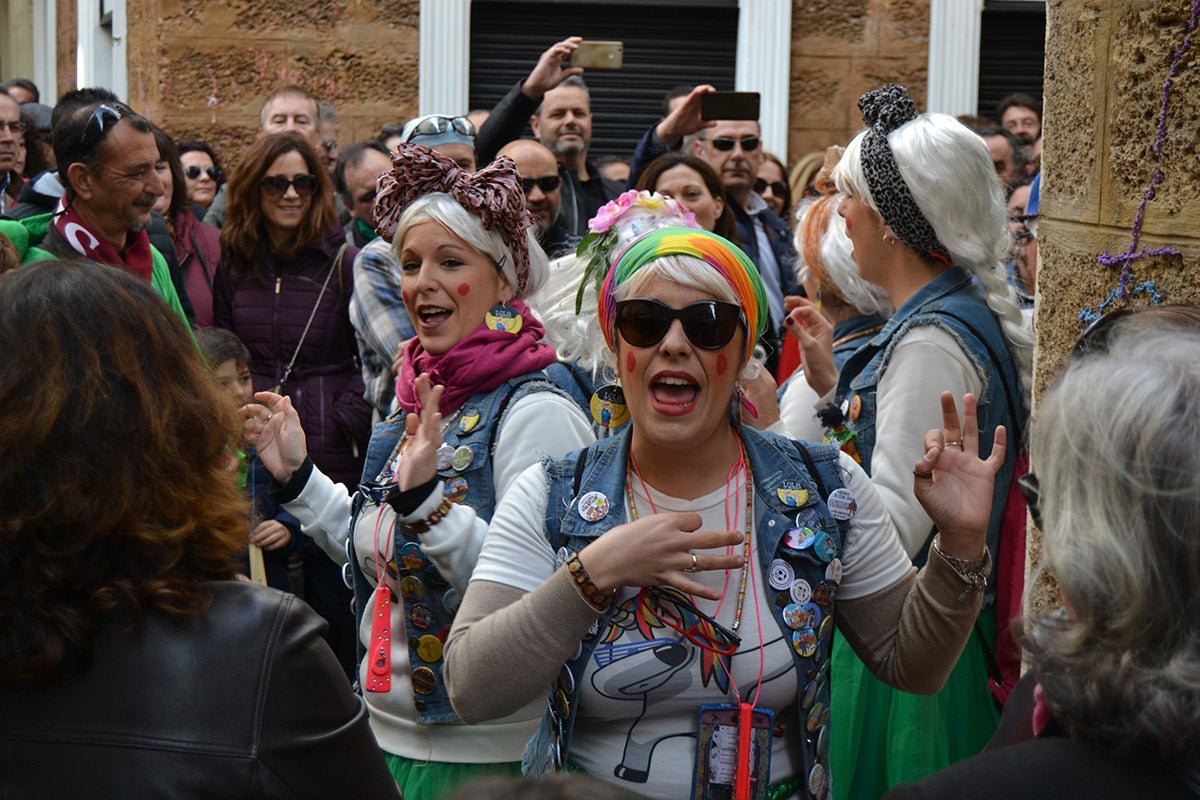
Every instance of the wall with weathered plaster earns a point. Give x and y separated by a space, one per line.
843 48
201 69
1106 62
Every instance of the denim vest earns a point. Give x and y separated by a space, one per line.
475 428
775 463
955 303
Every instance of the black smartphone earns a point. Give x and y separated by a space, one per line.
730 105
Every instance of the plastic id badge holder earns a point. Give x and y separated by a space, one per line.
715 769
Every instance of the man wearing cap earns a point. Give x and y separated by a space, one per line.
555 102
543 194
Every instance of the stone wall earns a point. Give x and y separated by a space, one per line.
1106 62
841 49
201 69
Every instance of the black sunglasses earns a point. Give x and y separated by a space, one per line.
277 185
778 188
104 117
193 172
673 609
1029 488
1096 336
435 125
547 183
708 324
726 143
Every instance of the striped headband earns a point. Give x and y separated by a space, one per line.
719 253
884 110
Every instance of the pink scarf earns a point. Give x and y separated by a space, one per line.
137 260
480 362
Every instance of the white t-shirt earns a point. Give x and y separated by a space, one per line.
654 667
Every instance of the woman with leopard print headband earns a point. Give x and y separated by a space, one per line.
925 213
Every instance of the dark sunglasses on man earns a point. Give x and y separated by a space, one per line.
708 324
547 183
277 185
194 172
726 143
104 117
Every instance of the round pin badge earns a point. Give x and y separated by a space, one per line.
813 720
424 681
462 458
817 780
792 494
594 506
833 571
794 616
608 407
824 547
468 421
455 489
855 408
411 557
451 601
780 574
801 591
445 457
797 538
503 318
824 593
814 614
411 589
810 693
429 649
804 642
421 616
842 503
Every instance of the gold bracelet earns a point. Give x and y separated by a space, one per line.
592 595
439 513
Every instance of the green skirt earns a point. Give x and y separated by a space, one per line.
435 780
881 737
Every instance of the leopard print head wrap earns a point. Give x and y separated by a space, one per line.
493 194
884 110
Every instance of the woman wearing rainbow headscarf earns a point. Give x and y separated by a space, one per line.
674 585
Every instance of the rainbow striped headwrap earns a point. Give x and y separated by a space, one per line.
719 253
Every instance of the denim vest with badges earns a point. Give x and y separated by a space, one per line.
580 386
776 464
954 302
848 335
430 602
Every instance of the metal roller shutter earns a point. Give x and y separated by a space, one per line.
1011 52
666 44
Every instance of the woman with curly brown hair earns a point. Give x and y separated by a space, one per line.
126 650
284 287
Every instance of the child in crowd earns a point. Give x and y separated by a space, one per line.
274 530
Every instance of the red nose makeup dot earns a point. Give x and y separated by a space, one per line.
464 289
722 363
630 362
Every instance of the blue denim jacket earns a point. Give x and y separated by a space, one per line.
475 428
955 303
775 462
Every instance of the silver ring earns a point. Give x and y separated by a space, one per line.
955 444
269 415
693 567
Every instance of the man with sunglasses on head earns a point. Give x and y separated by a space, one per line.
556 103
106 162
543 194
452 136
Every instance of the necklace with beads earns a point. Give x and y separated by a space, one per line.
730 522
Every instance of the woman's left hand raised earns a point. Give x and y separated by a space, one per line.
423 432
953 484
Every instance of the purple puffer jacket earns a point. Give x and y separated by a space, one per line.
326 384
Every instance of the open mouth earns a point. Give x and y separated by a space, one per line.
431 317
674 393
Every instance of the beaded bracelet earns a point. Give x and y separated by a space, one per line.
595 598
973 571
439 513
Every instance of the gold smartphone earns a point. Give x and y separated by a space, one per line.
598 55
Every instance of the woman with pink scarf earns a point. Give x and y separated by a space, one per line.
476 410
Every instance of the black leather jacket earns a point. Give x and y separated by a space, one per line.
246 700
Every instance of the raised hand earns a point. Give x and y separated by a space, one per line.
423 434
273 429
549 70
814 333
685 119
953 484
656 551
